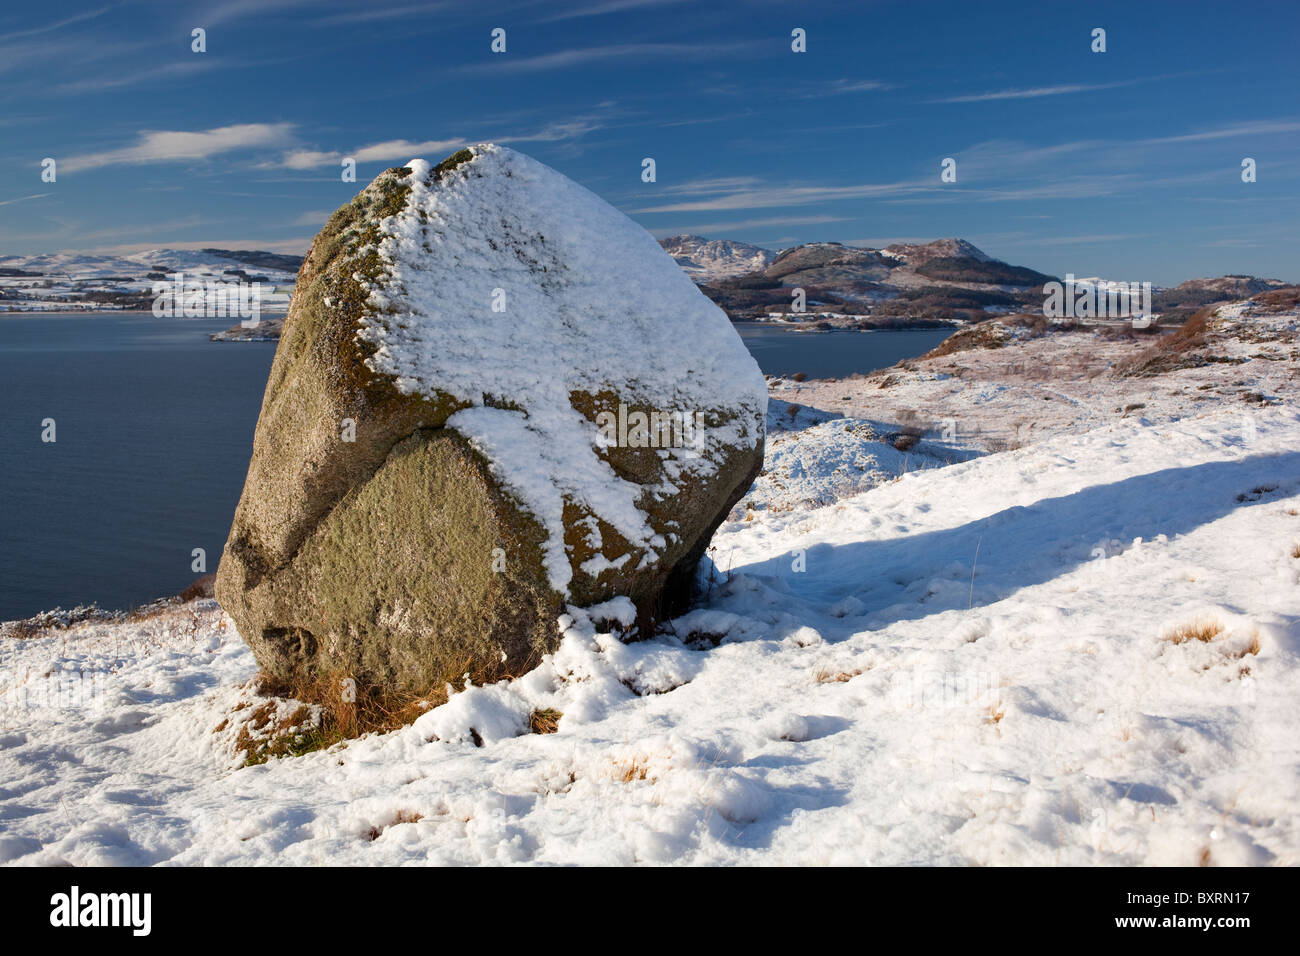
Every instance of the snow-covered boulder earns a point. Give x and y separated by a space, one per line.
494 395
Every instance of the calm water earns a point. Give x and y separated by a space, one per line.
154 427
782 351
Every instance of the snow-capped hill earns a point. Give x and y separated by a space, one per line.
1233 286
84 265
824 263
705 260
81 281
919 254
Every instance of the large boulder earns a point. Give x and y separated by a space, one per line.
494 395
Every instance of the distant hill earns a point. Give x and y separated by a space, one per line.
947 280
81 281
262 260
707 259
87 265
1187 297
969 269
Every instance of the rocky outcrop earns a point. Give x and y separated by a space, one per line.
494 395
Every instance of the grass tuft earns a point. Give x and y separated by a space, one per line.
544 721
1203 629
832 675
333 708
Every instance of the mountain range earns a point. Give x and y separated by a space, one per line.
944 282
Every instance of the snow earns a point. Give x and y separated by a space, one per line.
1066 382
73 275
707 260
593 302
981 664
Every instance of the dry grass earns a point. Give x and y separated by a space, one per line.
1206 630
204 587
403 816
833 675
633 769
268 731
1295 550
1171 351
346 709
1280 300
544 721
1203 629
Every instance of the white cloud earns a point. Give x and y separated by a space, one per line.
57 25
10 202
316 217
1259 128
609 6
731 227
1034 92
791 196
403 149
398 150
171 146
619 52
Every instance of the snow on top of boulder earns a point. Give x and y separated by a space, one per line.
591 303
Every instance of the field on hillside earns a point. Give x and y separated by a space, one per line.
1080 651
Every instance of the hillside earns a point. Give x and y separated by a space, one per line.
72 281
706 259
999 617
1079 652
945 281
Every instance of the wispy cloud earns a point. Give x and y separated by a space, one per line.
402 149
388 150
177 146
737 225
619 52
1074 240
10 202
1035 92
704 187
376 14
776 196
232 11
1258 128
117 80
315 217
557 132
609 6
843 86
57 25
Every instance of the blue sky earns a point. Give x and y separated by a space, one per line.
1124 164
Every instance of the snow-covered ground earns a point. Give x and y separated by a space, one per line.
993 661
1033 388
72 281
